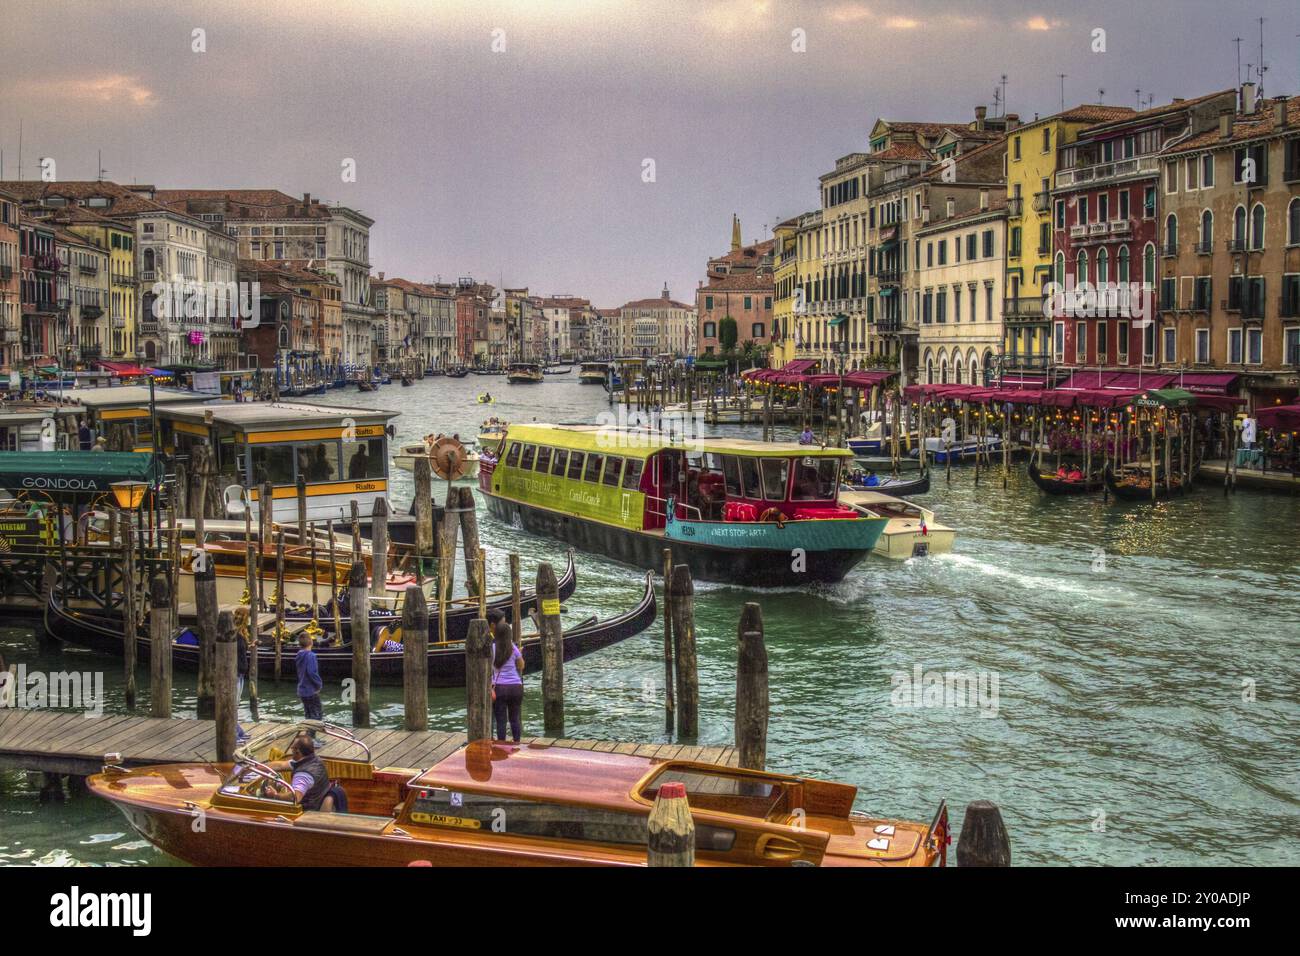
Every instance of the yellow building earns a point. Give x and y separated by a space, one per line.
784 279
1032 152
118 239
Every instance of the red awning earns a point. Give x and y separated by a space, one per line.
868 379
1207 383
122 368
1279 417
1084 380
1142 381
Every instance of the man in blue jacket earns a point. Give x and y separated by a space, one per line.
309 682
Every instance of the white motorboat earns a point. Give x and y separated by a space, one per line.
409 452
912 531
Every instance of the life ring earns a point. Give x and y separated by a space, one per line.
774 515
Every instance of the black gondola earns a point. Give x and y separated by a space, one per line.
446 661
1140 490
457 372
1053 485
898 487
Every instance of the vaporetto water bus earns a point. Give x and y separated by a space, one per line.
761 514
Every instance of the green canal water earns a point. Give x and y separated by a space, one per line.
1145 657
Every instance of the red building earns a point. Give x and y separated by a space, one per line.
1106 233
473 307
39 261
11 276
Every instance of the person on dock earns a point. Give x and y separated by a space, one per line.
85 437
241 666
309 682
806 437
101 444
507 678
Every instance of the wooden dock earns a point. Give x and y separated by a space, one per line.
60 742
1214 471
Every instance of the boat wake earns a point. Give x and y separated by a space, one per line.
1092 589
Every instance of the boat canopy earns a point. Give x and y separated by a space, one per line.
1279 417
642 443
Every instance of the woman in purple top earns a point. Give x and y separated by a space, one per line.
507 678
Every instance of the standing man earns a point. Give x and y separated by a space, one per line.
309 682
85 437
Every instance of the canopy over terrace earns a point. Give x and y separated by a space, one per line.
67 474
1065 396
1279 417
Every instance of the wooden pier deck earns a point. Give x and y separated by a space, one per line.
59 742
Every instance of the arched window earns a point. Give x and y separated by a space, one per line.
1257 226
1060 269
956 371
1122 265
148 260
1149 265
943 371
1239 227
1081 267
1293 223
929 370
1207 230
1103 267
974 367
1171 235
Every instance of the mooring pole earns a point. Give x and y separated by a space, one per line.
751 690
415 658
227 702
359 606
478 681
551 631
160 648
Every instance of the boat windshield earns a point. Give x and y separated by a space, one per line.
757 796
816 479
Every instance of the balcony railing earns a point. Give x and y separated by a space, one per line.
1078 232
91 311
1042 201
1236 245
1015 207
1015 362
119 321
1204 247
1169 250
1100 172
1121 227
6 273
1288 307
890 276
1098 229
1023 308
88 269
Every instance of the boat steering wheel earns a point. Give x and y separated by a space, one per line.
265 774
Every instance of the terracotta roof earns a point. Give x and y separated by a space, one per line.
1258 125
1092 113
259 203
755 250
124 201
926 129
1160 110
904 151
741 281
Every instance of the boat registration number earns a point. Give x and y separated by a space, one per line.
439 819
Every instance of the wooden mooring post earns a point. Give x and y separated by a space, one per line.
279 603
478 681
670 705
688 680
984 840
751 690
671 836
474 581
516 612
130 614
378 546
160 648
359 606
551 631
226 682
423 514
415 658
205 607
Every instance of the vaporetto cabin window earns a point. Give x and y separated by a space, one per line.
559 461
575 466
592 470
527 458
613 471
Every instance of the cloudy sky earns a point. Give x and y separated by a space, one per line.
510 140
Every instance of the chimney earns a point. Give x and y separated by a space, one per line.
306 199
1013 121
1225 124
949 208
381 277
1280 113
984 199
1248 103
980 113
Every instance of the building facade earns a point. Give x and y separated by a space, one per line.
11 276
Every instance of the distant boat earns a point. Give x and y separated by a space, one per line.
458 371
558 370
524 373
593 373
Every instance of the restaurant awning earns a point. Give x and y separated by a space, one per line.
1279 417
59 473
122 368
1207 383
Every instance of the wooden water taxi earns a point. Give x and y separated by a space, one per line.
563 807
745 512
877 440
524 373
912 531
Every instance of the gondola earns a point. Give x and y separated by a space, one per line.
1140 489
459 614
898 487
364 386
446 661
406 381
457 372
1053 485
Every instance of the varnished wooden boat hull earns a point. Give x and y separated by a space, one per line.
1126 492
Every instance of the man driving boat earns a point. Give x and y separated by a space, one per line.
310 783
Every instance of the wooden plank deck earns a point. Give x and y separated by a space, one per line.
72 743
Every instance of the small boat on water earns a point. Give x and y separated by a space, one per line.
876 440
485 399
912 531
557 370
1054 484
407 381
491 432
961 450
563 807
407 454
593 373
302 389
102 631
883 464
1134 484
365 385
524 373
899 487
458 371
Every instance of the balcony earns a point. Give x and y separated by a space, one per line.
119 321
1288 307
48 263
1042 201
91 352
148 275
1169 250
890 276
88 269
1023 309
121 278
1015 207
1236 245
1102 172
1078 232
91 311
1121 227
1204 247
895 326
1015 362
1098 229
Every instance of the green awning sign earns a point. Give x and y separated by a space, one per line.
57 473
839 319
1166 398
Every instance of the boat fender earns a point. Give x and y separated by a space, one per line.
774 515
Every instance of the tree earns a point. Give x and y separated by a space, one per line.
727 334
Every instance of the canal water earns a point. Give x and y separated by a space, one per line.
1139 666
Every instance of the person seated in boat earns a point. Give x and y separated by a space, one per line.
310 784
1074 474
1061 473
871 481
806 485
487 397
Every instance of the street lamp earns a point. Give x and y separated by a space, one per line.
129 494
